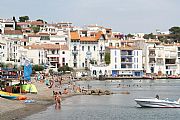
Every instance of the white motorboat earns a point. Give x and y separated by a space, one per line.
156 103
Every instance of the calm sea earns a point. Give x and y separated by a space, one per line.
116 106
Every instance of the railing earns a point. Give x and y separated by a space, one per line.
74 51
88 53
74 60
101 51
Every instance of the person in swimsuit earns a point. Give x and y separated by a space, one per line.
57 98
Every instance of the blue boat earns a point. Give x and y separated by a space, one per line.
8 97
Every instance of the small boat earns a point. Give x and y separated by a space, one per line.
156 103
9 97
12 96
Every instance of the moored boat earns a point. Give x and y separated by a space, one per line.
156 103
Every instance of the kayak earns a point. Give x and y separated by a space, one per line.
11 96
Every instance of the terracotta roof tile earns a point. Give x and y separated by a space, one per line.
48 46
88 39
22 23
33 35
23 40
74 35
36 23
13 32
47 34
92 38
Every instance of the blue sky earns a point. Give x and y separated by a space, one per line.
128 16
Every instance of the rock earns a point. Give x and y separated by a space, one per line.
125 92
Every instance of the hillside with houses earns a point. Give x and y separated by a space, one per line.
95 48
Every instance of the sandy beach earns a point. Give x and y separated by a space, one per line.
15 109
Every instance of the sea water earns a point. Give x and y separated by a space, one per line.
116 106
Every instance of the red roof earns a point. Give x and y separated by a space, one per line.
13 32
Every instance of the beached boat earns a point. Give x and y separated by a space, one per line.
11 96
156 103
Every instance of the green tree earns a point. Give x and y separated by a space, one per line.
41 21
175 34
130 35
107 57
38 67
64 68
3 65
35 29
149 36
23 18
18 27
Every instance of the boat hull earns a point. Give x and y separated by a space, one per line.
9 97
155 103
12 96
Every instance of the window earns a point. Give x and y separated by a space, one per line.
117 44
115 59
110 44
63 59
53 51
94 48
45 38
75 48
115 52
115 66
82 48
88 48
63 52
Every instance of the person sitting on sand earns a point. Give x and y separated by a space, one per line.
65 91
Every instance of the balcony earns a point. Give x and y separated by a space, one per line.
74 60
101 52
160 63
152 55
127 61
75 52
52 55
88 53
53 60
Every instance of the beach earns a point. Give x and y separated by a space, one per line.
16 109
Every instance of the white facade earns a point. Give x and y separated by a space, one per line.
8 24
126 62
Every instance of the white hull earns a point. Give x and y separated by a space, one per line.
155 103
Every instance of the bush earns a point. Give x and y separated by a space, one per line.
64 68
38 67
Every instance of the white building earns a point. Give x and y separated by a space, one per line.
86 49
6 24
49 54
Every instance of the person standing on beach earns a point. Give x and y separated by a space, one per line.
57 98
